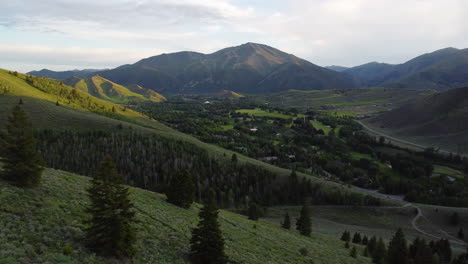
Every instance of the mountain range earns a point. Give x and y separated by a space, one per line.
254 68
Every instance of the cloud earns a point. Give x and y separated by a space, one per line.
343 32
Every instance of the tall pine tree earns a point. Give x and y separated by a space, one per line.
110 231
18 151
304 223
181 190
397 252
378 256
286 222
207 242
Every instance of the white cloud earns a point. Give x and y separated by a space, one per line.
346 32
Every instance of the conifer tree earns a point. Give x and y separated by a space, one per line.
461 234
20 157
207 242
378 256
345 236
365 240
371 245
181 190
346 245
353 252
304 223
254 211
110 231
454 219
366 252
286 222
397 249
357 238
234 158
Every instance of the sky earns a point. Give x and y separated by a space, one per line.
71 34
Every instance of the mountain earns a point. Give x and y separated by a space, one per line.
113 92
249 68
336 68
62 75
440 119
442 69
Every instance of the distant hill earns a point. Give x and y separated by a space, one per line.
439 119
113 92
62 75
442 69
229 94
336 68
249 69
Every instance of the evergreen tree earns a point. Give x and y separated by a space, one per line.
345 236
234 158
287 222
181 190
378 256
366 252
454 219
254 211
353 252
110 231
346 245
397 249
357 238
461 234
304 223
365 240
371 245
207 242
18 145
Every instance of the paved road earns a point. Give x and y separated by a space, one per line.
400 140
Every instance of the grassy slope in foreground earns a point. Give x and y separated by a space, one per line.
44 225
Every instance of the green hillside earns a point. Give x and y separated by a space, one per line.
44 225
81 115
113 92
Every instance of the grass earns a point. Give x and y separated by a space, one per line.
439 169
259 112
319 125
44 225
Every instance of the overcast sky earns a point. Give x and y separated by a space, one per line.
69 34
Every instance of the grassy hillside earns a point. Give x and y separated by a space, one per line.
44 114
44 225
436 120
113 92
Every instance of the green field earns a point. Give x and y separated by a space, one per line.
259 112
44 225
443 170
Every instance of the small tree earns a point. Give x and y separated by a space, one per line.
365 240
346 236
357 238
304 223
207 242
287 222
181 190
234 158
378 256
346 245
110 230
397 249
454 219
353 252
20 158
371 245
461 234
254 211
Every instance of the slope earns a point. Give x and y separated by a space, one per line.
440 119
64 74
113 92
44 225
45 114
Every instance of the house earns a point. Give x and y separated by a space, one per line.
254 129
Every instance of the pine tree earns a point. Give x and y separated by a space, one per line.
181 190
461 234
304 224
207 242
346 236
20 157
357 238
365 240
366 252
110 231
378 256
454 219
254 211
371 245
397 249
346 245
353 252
234 158
287 222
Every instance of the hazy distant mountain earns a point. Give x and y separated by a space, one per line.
441 69
62 75
248 68
337 68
